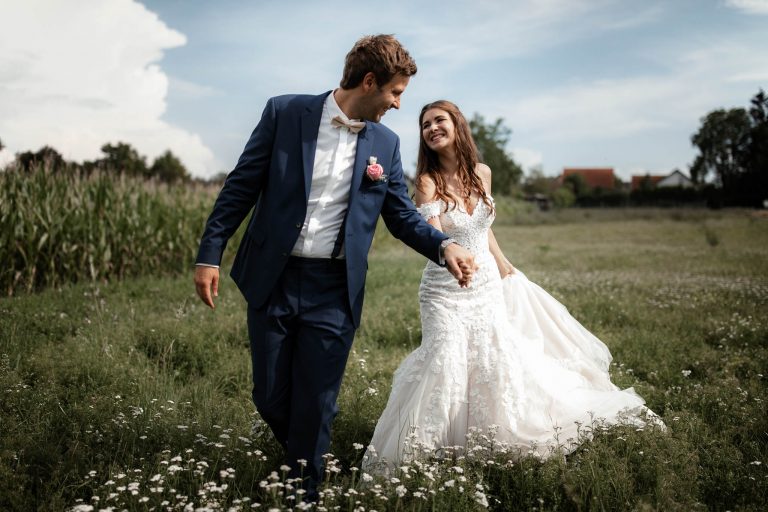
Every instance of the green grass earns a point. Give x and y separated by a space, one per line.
138 378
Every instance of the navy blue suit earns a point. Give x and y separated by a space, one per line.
302 314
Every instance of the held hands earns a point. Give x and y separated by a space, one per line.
205 279
460 263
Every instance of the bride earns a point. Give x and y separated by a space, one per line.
501 355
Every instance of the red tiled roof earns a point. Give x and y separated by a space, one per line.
595 177
654 179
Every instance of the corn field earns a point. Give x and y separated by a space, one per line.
58 228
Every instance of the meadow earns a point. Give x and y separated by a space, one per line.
129 394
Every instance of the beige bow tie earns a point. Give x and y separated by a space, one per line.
353 126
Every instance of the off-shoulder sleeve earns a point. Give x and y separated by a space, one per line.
430 210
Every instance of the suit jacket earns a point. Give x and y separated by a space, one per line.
273 177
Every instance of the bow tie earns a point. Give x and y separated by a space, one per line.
353 126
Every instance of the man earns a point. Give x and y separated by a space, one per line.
317 171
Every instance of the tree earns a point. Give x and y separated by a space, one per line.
168 168
577 184
491 140
123 159
733 149
537 183
722 141
756 157
563 197
46 157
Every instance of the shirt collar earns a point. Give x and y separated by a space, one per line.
334 109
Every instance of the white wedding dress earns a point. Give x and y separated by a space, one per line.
501 356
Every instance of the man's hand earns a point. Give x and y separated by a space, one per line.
460 263
205 279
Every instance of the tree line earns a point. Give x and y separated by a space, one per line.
731 168
120 159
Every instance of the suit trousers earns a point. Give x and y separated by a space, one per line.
300 341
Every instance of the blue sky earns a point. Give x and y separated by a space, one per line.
580 83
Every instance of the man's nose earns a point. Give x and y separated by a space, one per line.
396 103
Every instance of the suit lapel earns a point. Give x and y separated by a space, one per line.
310 124
362 153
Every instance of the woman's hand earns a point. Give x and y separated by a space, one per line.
505 268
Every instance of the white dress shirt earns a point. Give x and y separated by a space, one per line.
329 189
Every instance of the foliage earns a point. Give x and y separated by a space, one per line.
45 157
491 140
136 386
123 159
57 228
119 159
563 197
577 184
537 183
168 169
671 196
733 150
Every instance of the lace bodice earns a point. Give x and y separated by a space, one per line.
469 230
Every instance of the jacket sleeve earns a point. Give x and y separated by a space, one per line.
402 219
241 189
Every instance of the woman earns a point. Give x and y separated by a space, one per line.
501 352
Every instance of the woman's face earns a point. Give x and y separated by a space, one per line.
438 130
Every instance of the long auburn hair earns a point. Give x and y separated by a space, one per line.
428 162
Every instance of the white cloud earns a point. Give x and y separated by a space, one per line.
749 6
190 90
76 75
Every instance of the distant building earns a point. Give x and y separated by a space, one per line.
676 179
594 177
648 180
651 181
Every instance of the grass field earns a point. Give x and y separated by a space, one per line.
133 395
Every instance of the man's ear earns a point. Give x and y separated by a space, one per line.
369 81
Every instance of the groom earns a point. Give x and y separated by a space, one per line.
317 172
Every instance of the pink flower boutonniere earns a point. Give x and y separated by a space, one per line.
374 171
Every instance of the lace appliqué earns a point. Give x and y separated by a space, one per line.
431 209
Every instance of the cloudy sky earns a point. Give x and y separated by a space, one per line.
615 83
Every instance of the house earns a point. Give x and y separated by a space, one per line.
651 181
594 177
647 181
676 179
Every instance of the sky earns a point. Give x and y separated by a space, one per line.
609 83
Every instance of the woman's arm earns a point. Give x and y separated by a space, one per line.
505 267
426 192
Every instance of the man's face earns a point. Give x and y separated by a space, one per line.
380 99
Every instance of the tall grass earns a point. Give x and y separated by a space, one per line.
58 228
107 389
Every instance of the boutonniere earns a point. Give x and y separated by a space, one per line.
374 171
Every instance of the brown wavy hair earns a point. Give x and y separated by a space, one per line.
381 54
428 162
